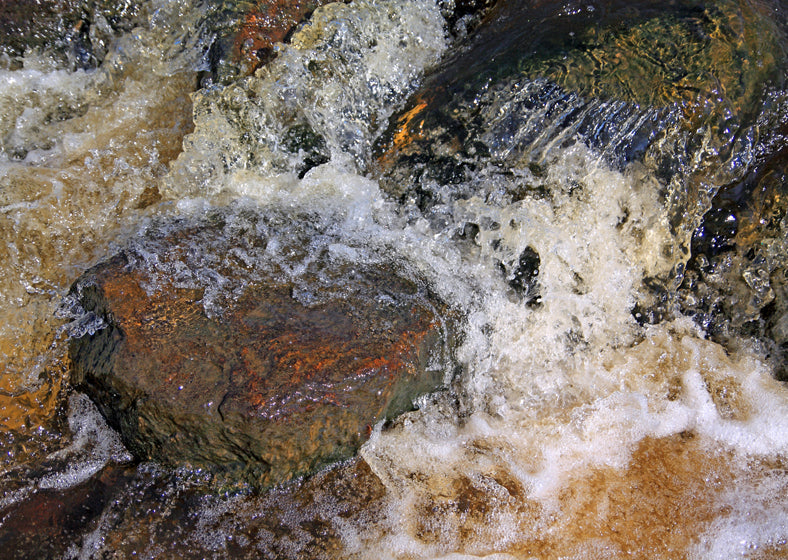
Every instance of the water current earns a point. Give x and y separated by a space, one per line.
608 409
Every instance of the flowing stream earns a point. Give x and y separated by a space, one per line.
570 426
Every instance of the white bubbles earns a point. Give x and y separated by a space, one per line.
325 97
558 399
94 445
756 525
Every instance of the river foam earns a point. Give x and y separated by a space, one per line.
567 429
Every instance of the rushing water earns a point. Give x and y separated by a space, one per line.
571 426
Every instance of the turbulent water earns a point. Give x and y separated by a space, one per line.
569 428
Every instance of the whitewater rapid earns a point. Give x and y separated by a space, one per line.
566 429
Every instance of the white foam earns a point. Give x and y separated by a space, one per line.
758 520
341 76
93 446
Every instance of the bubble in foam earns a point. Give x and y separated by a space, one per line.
93 446
756 524
323 98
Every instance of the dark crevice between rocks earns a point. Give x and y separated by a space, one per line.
522 275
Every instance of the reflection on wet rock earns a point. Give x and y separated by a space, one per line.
77 33
672 89
736 284
308 518
545 183
228 345
247 31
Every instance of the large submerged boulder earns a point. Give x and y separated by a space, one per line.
241 346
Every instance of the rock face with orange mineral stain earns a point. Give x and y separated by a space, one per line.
248 31
271 378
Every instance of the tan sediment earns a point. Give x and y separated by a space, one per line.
48 217
659 506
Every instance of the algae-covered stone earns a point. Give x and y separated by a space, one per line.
246 351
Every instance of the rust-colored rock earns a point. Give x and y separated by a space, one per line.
253 28
248 31
268 22
290 374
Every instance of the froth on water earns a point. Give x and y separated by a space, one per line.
570 428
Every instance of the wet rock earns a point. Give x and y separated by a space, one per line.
248 348
239 36
125 512
246 33
288 524
736 284
50 521
464 16
76 33
524 274
673 88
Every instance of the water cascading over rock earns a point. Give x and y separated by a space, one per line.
680 98
229 346
675 92
587 145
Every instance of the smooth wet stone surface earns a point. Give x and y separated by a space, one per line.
284 374
672 86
